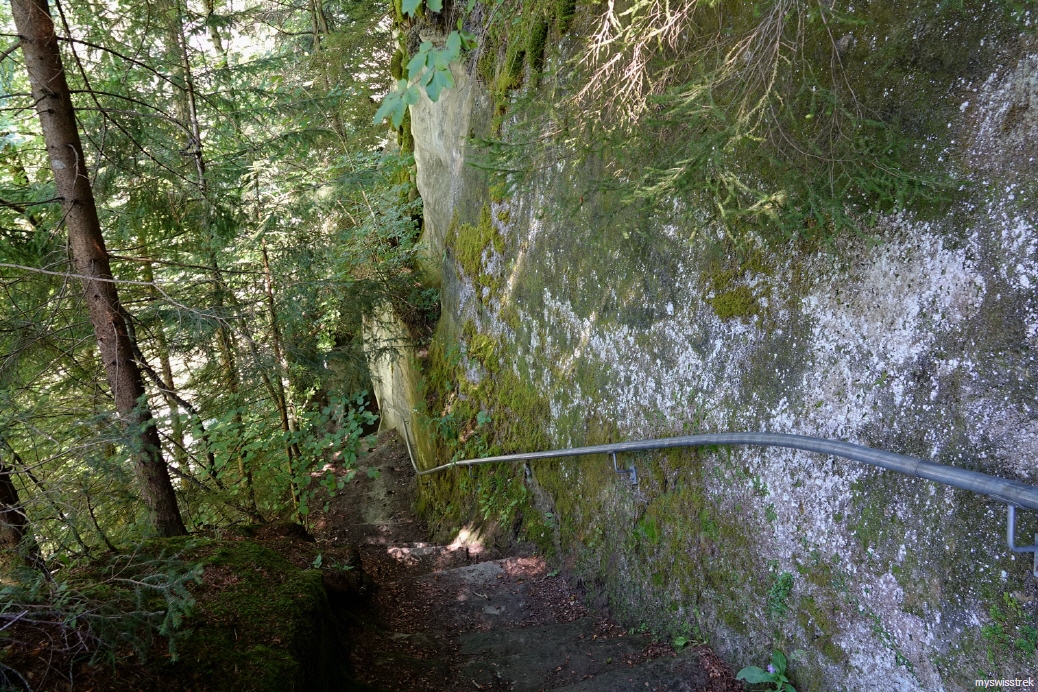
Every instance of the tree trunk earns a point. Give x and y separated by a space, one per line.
214 34
17 545
24 468
280 366
60 134
162 347
188 107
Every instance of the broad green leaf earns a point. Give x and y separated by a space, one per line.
454 43
416 64
442 79
778 661
434 5
754 674
409 7
412 96
390 105
468 40
443 59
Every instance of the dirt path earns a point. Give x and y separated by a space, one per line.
461 617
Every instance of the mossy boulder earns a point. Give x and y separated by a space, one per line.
261 623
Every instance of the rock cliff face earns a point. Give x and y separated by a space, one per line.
577 321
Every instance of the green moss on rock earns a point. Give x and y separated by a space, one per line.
405 138
820 627
738 302
396 64
482 347
470 245
536 41
565 10
261 624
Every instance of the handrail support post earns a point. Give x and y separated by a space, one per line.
631 473
1011 540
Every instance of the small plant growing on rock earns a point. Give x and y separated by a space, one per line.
775 674
779 594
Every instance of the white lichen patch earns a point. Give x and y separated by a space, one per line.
1004 137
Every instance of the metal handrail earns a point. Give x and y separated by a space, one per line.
1013 493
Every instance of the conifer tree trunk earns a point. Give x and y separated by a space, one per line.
54 106
162 346
187 105
17 545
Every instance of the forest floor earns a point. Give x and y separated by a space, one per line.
470 616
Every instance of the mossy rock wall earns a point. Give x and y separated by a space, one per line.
576 319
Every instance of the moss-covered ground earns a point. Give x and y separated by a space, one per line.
261 623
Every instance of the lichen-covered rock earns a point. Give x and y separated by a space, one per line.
919 336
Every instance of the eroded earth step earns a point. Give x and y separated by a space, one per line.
544 657
512 592
683 672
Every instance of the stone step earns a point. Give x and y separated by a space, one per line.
414 559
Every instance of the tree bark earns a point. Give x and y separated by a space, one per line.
162 347
188 107
17 545
60 134
24 468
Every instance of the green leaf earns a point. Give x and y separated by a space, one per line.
411 97
754 674
454 43
416 64
409 7
373 472
778 661
442 59
434 5
441 80
390 105
468 40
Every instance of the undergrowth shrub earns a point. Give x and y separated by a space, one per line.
105 609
